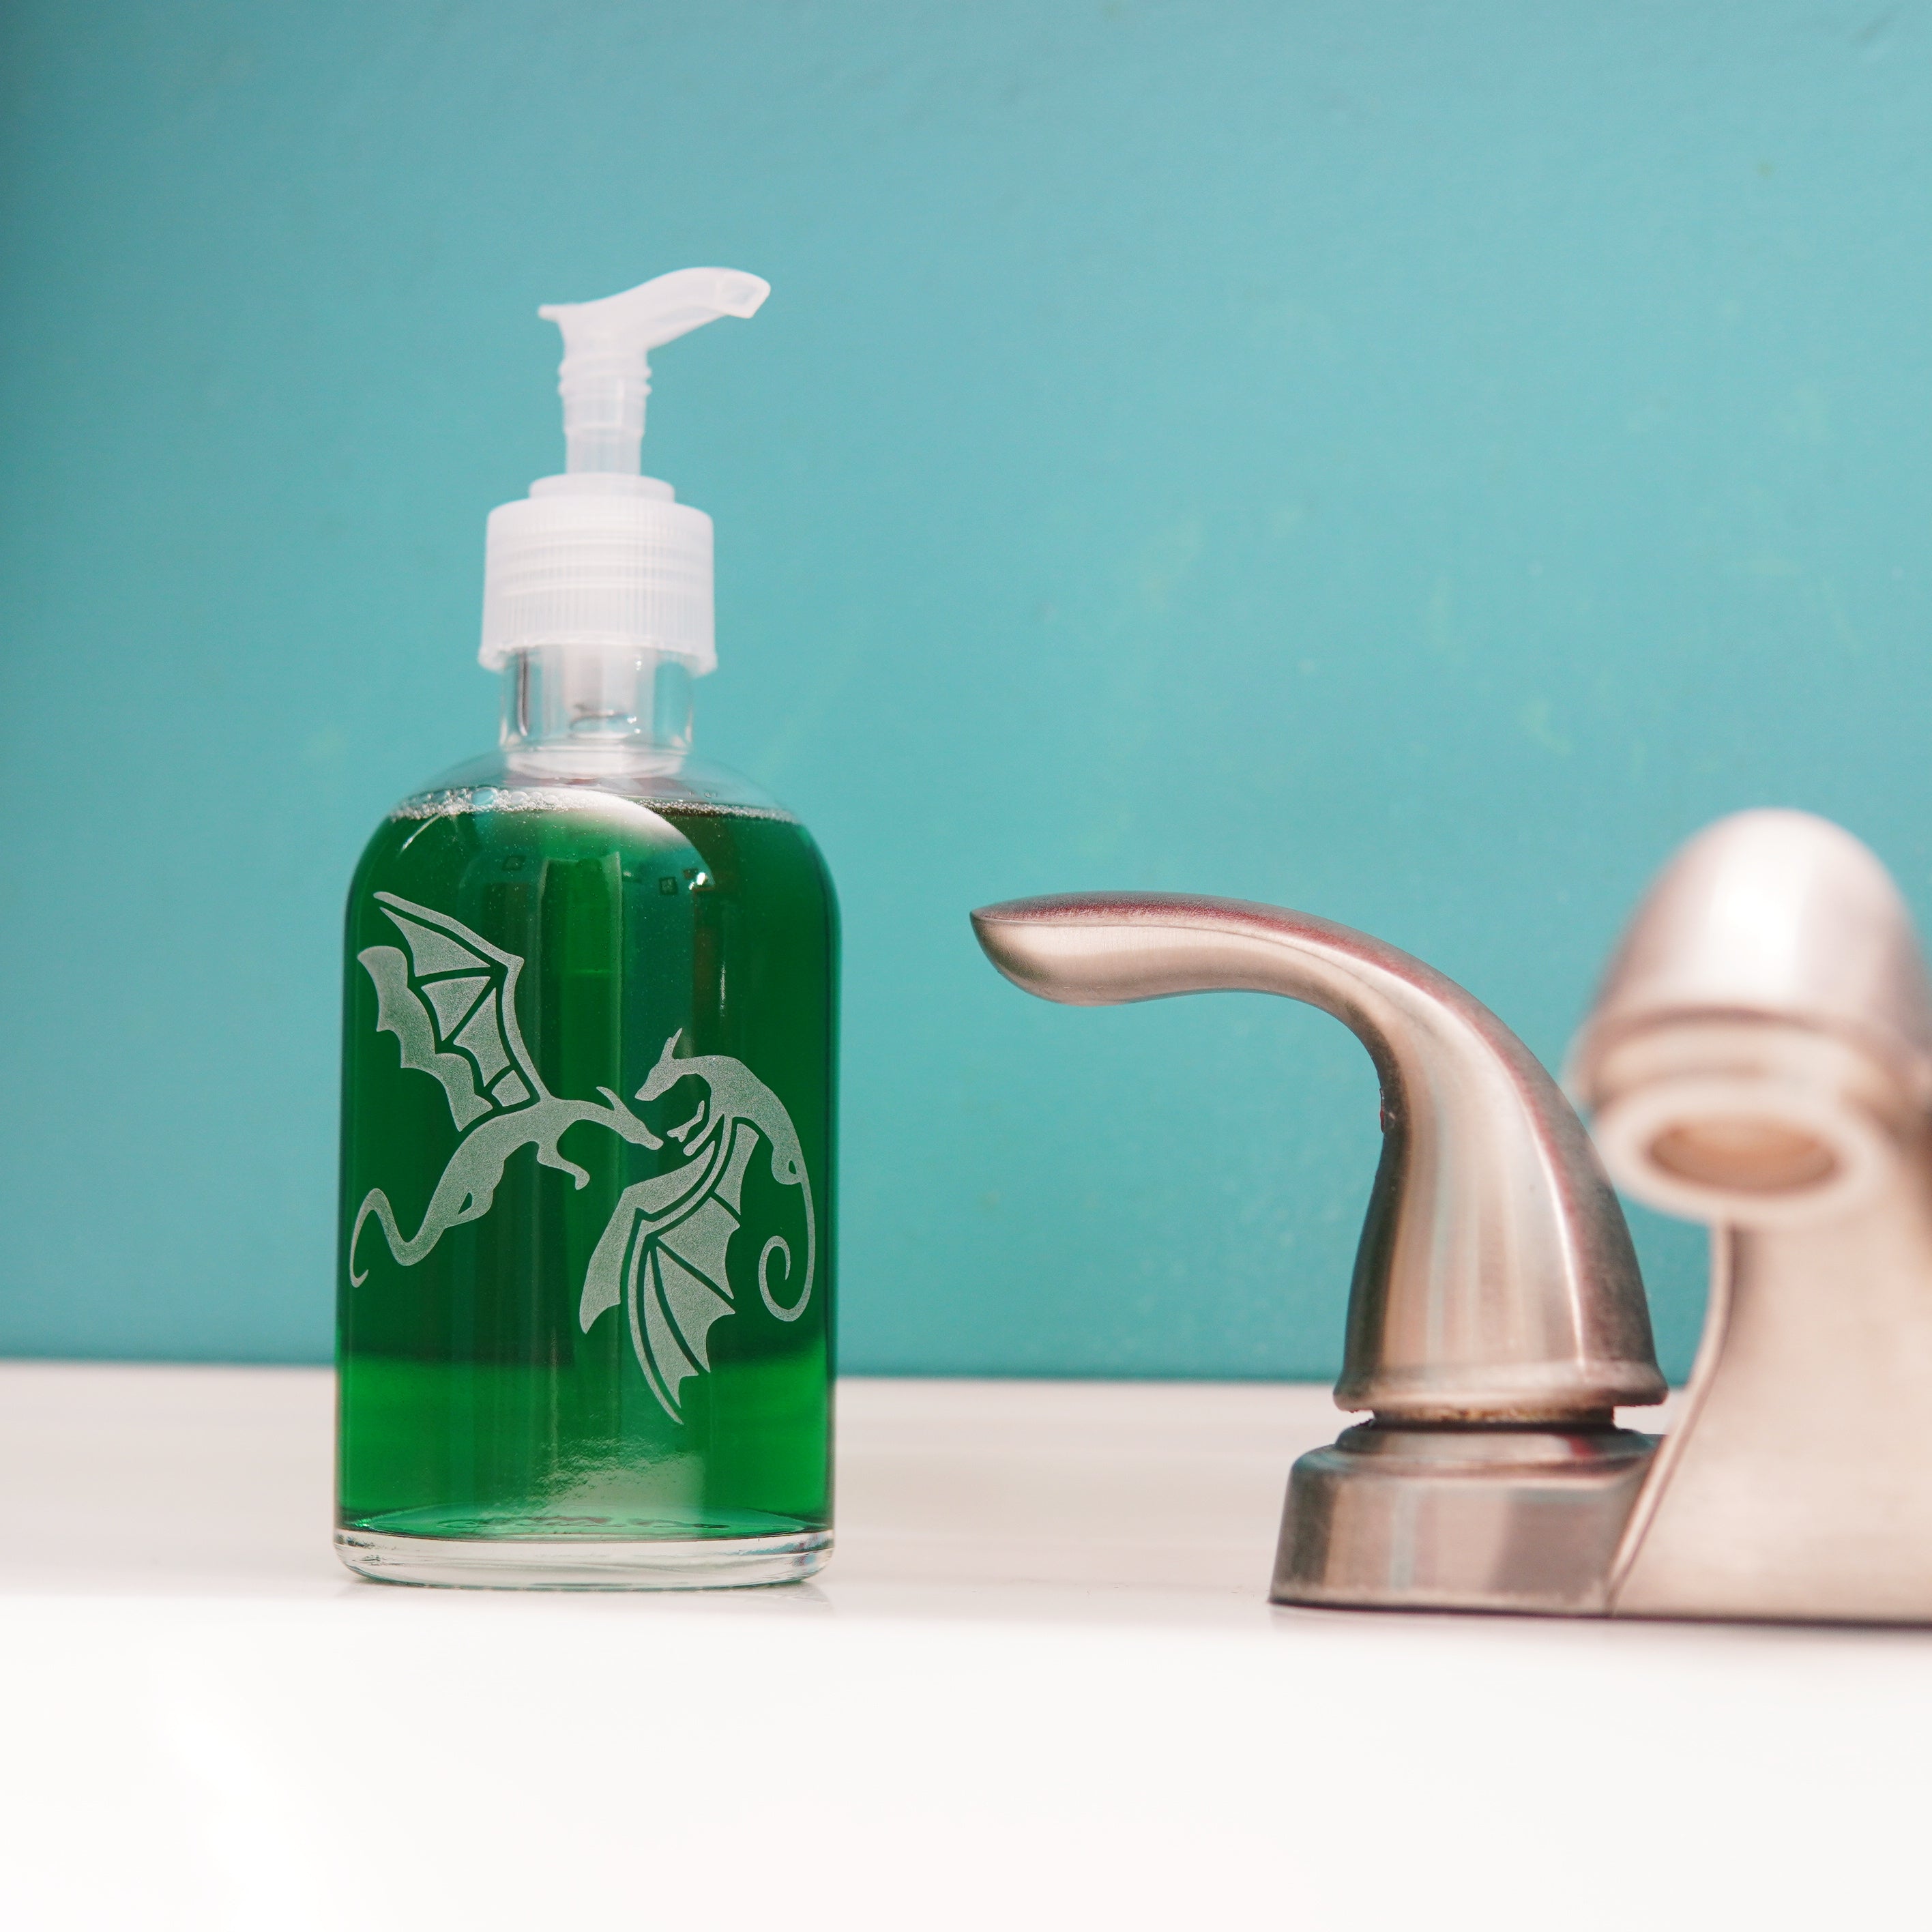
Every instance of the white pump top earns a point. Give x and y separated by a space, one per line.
602 557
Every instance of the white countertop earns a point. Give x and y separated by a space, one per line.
1039 1685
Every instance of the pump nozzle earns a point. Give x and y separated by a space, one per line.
606 373
602 558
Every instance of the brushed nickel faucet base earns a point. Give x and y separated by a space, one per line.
1524 1520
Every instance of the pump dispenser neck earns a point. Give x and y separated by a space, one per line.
595 714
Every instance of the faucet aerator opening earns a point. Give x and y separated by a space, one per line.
1753 1157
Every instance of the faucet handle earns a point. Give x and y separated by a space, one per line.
1496 1315
1495 1280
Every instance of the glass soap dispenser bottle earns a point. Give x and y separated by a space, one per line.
591 989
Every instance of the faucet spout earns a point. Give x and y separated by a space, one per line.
1760 1058
1496 1315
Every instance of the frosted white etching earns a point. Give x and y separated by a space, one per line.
450 999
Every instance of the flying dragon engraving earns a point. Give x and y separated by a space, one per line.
450 1000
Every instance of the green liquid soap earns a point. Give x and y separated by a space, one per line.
586 1209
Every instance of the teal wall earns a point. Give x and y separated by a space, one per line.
1415 462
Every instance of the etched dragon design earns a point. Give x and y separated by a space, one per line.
450 999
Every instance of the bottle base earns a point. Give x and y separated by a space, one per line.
573 1563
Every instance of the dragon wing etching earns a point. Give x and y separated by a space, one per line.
663 1254
450 1001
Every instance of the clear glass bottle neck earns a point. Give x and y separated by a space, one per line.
577 710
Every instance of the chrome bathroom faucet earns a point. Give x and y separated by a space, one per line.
1761 1057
